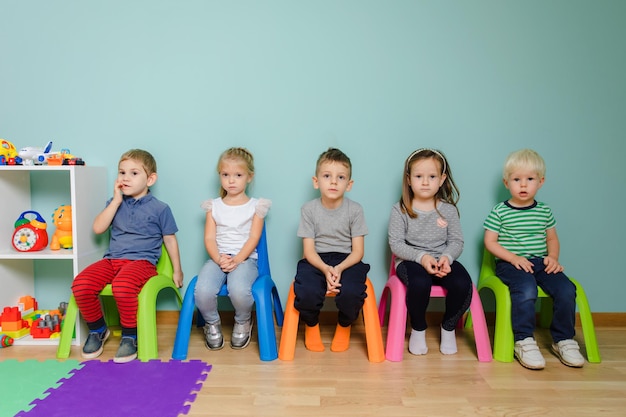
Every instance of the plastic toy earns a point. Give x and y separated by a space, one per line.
5 341
62 219
30 234
32 155
64 157
8 154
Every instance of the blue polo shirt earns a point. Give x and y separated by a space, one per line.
138 228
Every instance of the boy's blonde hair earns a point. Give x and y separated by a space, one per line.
526 159
236 154
144 157
334 155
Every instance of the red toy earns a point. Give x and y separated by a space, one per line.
5 341
30 234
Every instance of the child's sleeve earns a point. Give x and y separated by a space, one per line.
207 205
262 207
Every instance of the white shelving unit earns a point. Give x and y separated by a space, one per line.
86 188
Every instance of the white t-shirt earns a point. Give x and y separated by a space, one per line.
234 222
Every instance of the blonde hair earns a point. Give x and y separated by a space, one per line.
239 155
144 157
526 159
448 191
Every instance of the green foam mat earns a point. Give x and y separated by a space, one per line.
21 382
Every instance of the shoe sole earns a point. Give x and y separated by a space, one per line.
563 361
528 366
98 352
245 345
214 348
125 359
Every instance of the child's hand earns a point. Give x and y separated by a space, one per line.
227 263
178 279
117 192
522 263
444 267
333 276
552 265
430 264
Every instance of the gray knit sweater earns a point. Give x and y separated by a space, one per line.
429 233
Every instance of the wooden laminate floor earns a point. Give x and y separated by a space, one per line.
346 384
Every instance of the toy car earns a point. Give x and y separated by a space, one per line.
8 153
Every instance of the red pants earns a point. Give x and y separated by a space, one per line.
127 279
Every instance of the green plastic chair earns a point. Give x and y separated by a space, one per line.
147 345
503 336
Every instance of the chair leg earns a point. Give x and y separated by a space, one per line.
373 334
289 332
147 344
262 293
503 333
589 332
396 331
183 330
479 324
67 329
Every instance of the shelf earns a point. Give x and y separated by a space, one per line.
42 188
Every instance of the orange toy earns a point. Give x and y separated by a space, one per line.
62 237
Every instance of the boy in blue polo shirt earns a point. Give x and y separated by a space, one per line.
139 225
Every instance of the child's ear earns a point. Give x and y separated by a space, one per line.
152 179
316 184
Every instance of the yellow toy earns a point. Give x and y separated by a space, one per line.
62 237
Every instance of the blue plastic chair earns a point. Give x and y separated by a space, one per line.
267 303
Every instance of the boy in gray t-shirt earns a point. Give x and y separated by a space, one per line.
333 231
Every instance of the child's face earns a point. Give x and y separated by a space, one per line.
234 177
425 179
132 178
523 185
333 180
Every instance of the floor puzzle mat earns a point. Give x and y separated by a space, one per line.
105 389
21 382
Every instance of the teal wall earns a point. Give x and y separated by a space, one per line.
476 79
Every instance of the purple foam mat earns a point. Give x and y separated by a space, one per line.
105 389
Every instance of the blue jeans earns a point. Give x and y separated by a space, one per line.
239 283
523 288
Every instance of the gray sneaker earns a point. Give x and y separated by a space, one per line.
568 352
127 351
95 344
241 335
213 338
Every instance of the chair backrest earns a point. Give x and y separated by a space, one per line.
263 261
164 265
488 266
392 267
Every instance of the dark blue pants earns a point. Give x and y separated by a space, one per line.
457 283
523 288
310 290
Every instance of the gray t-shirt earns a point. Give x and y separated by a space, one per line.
332 230
428 234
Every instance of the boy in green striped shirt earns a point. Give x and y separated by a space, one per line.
521 234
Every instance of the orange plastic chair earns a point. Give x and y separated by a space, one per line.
373 334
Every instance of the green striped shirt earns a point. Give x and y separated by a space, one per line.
521 231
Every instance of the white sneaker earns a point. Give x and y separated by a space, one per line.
528 354
568 352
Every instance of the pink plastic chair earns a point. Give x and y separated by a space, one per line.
396 333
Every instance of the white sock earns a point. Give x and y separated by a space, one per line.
448 342
417 342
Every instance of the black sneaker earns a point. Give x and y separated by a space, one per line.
95 344
127 351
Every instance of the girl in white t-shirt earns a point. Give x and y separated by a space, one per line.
234 223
